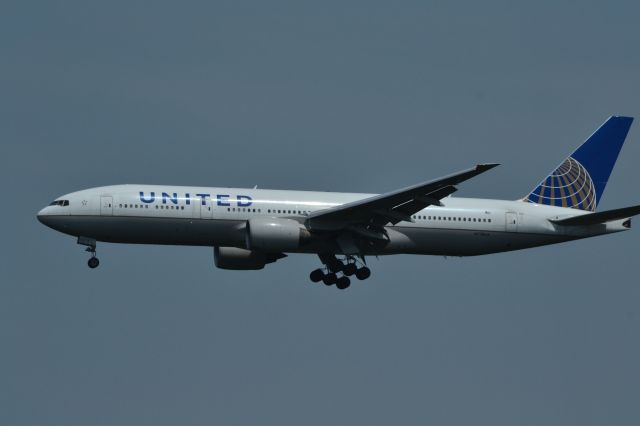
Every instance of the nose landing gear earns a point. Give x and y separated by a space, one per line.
93 261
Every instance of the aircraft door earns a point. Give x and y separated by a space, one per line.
106 206
511 222
206 210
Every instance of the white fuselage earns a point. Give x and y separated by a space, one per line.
154 214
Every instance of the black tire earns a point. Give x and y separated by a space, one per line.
316 275
350 269
330 279
363 273
343 282
93 262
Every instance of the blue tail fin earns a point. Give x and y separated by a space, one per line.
580 180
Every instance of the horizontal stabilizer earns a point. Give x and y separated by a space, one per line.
600 217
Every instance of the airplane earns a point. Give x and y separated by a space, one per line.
250 228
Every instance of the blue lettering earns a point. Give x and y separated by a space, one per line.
150 200
203 197
222 199
173 199
245 203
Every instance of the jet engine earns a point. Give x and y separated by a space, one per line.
242 259
275 234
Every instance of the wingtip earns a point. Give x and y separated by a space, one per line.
486 166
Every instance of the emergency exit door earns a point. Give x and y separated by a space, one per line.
106 206
206 208
511 222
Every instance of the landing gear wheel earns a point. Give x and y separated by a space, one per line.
343 282
316 275
349 269
330 279
363 273
93 262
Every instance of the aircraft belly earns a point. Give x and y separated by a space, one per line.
457 242
145 230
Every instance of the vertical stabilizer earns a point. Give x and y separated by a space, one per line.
580 180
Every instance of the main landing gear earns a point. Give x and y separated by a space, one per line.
334 266
93 261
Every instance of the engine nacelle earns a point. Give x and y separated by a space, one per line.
276 234
242 259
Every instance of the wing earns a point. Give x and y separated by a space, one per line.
392 207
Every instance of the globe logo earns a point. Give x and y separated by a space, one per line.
570 185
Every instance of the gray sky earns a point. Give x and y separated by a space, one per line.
342 96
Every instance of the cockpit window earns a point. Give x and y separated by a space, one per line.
60 203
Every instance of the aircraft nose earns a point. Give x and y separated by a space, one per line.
43 217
